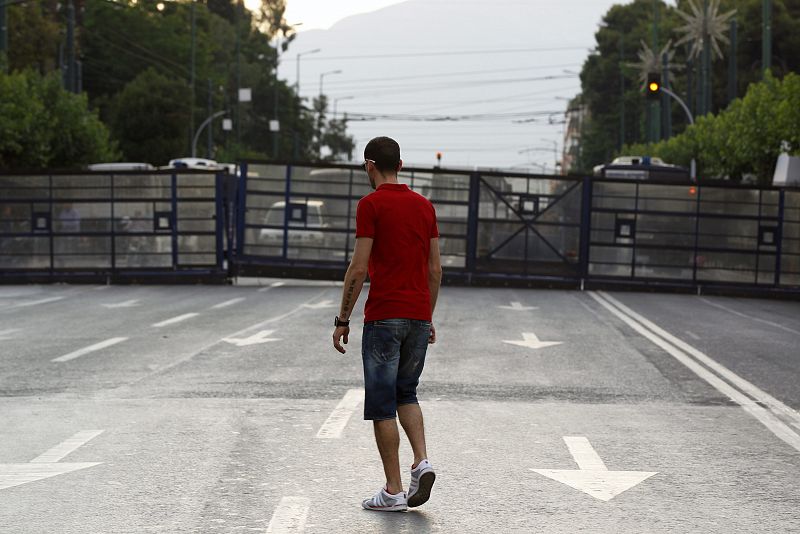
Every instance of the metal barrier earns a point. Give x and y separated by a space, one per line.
704 235
531 229
496 228
111 226
490 224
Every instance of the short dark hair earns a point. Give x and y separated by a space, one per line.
385 152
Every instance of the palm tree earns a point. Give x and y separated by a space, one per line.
705 28
651 63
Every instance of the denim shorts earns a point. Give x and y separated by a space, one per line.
393 351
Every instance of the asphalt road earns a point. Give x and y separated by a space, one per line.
131 409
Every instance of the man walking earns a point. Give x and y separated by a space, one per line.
397 244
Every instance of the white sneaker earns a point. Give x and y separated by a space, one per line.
422 478
383 501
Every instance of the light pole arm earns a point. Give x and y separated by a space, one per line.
693 167
681 102
200 130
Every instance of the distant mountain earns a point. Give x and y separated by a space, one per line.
451 58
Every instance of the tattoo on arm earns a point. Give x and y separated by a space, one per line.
348 297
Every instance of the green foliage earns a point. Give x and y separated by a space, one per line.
150 118
745 139
632 23
119 42
41 125
34 36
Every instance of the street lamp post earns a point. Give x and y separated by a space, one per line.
200 130
336 103
322 77
555 154
297 80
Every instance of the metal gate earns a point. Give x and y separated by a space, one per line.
695 235
490 224
100 225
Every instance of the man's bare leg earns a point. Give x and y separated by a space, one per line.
411 418
388 438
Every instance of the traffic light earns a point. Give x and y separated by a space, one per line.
653 88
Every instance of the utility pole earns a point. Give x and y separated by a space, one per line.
210 111
238 76
276 134
704 105
192 81
654 109
72 77
621 93
3 37
766 44
733 82
666 108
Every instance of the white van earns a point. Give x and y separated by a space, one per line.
306 219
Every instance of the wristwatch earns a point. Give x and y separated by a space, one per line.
339 322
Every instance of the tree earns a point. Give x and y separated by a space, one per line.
630 23
149 118
745 139
42 125
34 36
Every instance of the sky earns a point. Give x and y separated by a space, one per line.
485 88
322 14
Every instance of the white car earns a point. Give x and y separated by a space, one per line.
306 220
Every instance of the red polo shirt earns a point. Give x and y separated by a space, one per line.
402 224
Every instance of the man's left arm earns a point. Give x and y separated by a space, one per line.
353 283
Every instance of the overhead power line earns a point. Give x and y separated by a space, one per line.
447 53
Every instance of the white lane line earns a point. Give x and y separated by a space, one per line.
757 319
174 320
332 428
584 454
692 335
92 348
37 302
227 303
241 333
125 304
6 334
67 446
766 417
271 286
290 516
751 389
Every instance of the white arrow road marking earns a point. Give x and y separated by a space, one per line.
290 516
255 339
125 304
272 285
321 305
67 446
6 334
177 319
531 341
333 426
35 302
592 476
91 348
517 306
227 303
45 466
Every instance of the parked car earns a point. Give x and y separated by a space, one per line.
307 219
642 168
